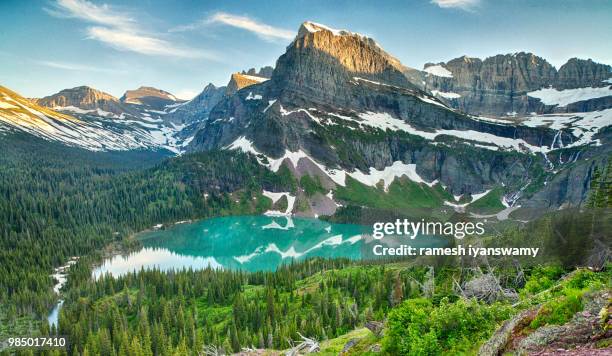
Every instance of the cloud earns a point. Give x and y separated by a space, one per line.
467 5
128 41
84 10
262 30
76 67
119 30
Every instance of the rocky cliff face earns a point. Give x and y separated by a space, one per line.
239 81
82 97
321 61
580 73
338 105
198 108
500 85
264 72
154 98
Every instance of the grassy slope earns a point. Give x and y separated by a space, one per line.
403 194
490 203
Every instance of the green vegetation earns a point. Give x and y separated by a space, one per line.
231 309
558 311
403 195
311 185
490 203
601 187
417 327
422 327
66 202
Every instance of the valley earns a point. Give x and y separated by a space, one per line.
239 221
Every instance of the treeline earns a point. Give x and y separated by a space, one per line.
156 313
60 202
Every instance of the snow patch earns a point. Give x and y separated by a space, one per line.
438 71
583 125
253 97
388 175
5 105
270 103
476 197
447 95
562 98
276 197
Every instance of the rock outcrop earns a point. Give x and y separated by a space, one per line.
198 108
264 72
154 98
239 81
82 97
320 63
499 85
325 91
580 73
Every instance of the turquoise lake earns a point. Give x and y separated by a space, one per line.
250 243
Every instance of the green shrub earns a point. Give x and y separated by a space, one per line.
311 185
409 329
542 278
416 327
559 311
583 279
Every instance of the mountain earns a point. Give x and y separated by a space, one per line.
239 81
580 73
519 84
353 124
83 98
264 72
91 129
341 111
198 108
154 98
88 118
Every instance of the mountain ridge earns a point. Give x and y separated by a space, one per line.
82 97
338 107
502 85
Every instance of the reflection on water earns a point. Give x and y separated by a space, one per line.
150 257
244 242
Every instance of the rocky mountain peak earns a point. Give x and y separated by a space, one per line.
499 85
239 81
151 97
198 108
136 96
312 27
322 61
353 50
82 97
583 73
209 87
264 72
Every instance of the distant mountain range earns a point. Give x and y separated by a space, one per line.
509 130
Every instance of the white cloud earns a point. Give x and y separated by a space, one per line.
262 30
128 41
119 30
84 10
460 4
76 67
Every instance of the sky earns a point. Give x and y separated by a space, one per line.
181 46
